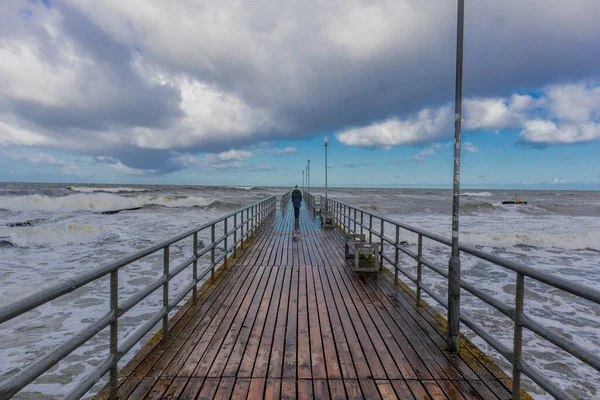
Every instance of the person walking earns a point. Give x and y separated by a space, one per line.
297 201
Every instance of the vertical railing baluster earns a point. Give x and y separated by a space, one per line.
235 227
212 251
396 253
226 233
165 322
382 244
114 334
355 220
370 228
419 269
362 223
518 336
195 269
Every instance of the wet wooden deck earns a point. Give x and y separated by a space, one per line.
291 320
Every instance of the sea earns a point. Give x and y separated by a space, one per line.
52 232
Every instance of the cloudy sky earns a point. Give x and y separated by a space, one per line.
242 92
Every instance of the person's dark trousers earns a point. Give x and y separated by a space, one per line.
296 212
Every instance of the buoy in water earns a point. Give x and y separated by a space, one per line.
515 201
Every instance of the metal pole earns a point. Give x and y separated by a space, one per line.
419 269
114 335
454 263
212 251
396 255
381 243
235 227
226 233
195 270
518 337
309 174
326 143
303 180
165 322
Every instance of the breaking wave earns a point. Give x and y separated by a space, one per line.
560 240
85 189
476 194
97 202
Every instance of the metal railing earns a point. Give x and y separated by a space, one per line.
238 226
350 218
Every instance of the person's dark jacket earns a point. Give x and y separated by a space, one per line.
296 198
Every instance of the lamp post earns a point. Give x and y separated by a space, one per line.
308 174
326 143
303 180
454 263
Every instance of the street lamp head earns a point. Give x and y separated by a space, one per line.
326 141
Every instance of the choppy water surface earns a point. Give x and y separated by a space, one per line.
52 232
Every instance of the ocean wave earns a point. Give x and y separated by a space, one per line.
563 240
97 202
55 235
85 189
476 194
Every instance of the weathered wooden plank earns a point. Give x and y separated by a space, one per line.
240 390
321 389
353 389
315 349
276 350
303 333
305 389
245 314
386 390
257 388
254 319
264 325
225 388
337 390
355 329
273 389
402 390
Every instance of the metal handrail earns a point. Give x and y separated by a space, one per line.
345 216
251 219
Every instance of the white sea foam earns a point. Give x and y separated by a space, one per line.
54 235
476 194
85 189
96 202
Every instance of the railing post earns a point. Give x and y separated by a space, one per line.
362 228
518 336
382 244
355 220
396 255
212 251
114 334
226 233
165 322
419 269
235 229
195 269
370 228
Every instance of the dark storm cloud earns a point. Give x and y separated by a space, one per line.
112 94
307 73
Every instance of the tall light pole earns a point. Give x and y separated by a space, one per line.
302 179
454 263
308 174
326 143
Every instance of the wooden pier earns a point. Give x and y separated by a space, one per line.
290 319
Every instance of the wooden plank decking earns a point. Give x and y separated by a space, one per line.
291 320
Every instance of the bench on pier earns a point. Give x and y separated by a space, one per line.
326 220
358 248
316 206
